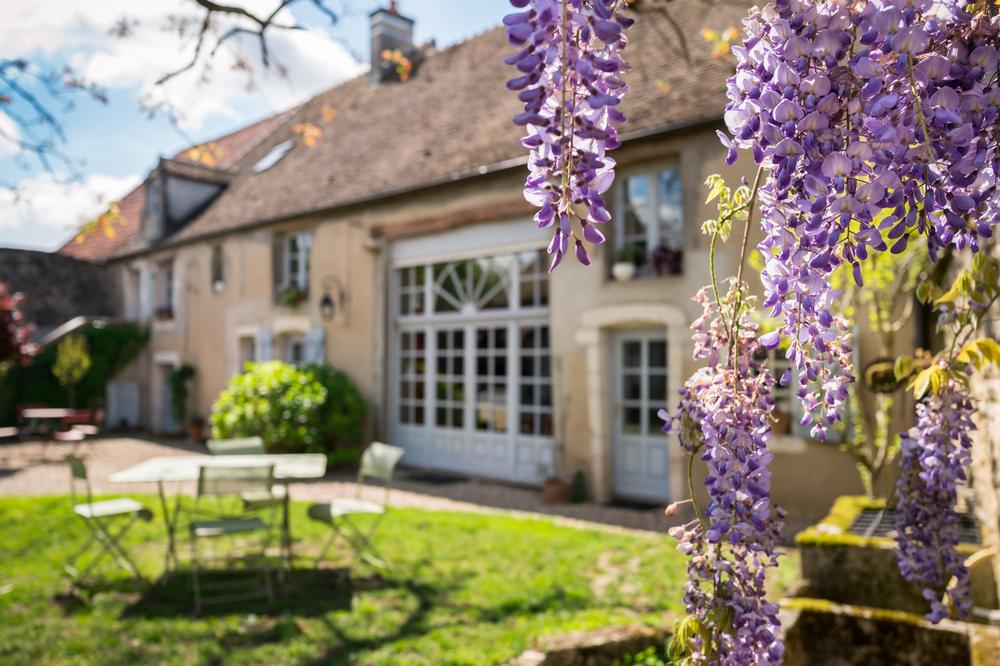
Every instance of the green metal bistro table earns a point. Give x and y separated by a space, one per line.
164 469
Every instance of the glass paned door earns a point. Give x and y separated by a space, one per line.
640 449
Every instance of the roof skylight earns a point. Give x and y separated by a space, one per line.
273 156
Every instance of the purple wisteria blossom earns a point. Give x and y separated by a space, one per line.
724 419
875 120
570 79
935 455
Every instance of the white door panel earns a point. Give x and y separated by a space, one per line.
640 454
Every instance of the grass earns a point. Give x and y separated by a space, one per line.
463 589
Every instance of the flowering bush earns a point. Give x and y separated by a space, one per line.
310 409
15 331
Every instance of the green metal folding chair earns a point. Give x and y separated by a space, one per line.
100 518
377 462
245 446
231 481
277 495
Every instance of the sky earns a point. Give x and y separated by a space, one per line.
117 143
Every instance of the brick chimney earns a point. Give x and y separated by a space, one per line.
390 31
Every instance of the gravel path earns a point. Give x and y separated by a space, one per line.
32 468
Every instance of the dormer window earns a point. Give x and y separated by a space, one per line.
273 156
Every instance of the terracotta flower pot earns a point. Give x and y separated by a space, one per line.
555 491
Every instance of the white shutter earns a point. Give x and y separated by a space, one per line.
265 340
315 346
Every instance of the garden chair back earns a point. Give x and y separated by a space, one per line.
379 462
218 482
244 446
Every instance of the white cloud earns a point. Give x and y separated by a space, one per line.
9 134
44 208
313 59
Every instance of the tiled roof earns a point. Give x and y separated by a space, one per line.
101 244
229 150
452 120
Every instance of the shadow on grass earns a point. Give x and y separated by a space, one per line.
345 646
303 593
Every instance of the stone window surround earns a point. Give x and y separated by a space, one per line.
594 335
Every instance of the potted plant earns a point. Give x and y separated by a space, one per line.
291 296
555 491
178 379
623 269
196 429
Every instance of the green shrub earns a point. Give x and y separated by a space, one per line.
313 409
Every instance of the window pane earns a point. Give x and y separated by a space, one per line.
633 354
671 209
657 388
653 423
631 387
632 420
546 425
658 354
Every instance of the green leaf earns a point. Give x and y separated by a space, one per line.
990 349
716 186
903 367
921 384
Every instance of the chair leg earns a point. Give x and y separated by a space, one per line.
326 547
194 574
360 542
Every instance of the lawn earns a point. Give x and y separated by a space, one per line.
463 589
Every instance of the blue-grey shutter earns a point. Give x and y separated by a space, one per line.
315 346
265 339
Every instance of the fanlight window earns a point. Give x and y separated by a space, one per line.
468 286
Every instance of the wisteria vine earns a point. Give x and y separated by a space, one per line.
724 418
935 454
873 122
877 120
570 68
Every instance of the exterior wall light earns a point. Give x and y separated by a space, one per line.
333 303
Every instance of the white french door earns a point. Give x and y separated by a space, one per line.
640 449
471 355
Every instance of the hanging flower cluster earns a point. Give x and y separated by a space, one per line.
871 116
724 418
935 454
570 80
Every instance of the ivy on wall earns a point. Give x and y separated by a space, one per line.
111 346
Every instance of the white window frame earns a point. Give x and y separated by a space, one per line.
290 342
167 294
654 230
299 255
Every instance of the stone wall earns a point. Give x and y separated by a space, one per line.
57 287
